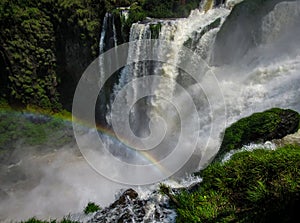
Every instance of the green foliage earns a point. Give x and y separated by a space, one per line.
28 40
32 130
198 207
33 35
136 14
139 10
164 189
155 30
113 4
169 9
91 208
258 127
34 220
35 38
258 186
4 104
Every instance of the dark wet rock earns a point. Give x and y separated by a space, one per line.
194 187
128 195
130 208
242 30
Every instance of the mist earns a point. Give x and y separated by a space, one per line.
50 184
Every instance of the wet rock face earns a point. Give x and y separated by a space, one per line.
130 208
128 195
293 139
242 30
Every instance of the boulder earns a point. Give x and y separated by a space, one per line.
129 194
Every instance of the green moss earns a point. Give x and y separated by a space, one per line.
188 43
91 208
258 186
271 124
155 30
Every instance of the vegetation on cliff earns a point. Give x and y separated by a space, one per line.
33 129
169 9
258 186
46 45
36 37
158 8
91 208
27 40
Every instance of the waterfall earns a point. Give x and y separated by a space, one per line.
243 94
196 32
109 39
262 75
250 62
103 34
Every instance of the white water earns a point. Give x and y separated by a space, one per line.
102 43
249 148
178 31
267 76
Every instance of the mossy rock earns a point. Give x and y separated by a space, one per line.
155 30
259 127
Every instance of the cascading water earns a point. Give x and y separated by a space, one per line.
196 32
109 38
257 64
264 75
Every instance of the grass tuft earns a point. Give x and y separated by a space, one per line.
91 208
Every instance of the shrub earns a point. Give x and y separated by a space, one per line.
91 208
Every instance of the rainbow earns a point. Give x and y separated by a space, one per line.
127 144
68 118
